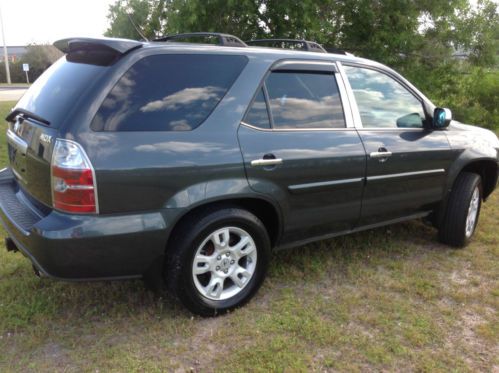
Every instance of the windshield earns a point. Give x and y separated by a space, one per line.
56 91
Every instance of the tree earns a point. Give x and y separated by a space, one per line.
417 37
148 16
386 30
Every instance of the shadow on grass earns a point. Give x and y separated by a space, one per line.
26 299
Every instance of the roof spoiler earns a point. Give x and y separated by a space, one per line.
97 51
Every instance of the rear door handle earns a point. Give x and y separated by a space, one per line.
378 155
382 154
266 162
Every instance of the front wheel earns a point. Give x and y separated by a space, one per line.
463 210
219 261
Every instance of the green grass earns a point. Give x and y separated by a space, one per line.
387 299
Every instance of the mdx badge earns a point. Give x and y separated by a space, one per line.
45 138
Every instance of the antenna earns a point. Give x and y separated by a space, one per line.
136 27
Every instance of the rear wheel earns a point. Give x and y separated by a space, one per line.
463 210
218 262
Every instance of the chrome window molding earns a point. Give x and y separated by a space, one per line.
295 129
349 96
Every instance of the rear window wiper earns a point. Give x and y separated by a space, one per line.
26 115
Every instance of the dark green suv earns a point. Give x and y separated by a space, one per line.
138 159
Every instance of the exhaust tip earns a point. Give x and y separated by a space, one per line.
10 245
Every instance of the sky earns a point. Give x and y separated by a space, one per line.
45 21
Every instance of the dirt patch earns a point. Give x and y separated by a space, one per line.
53 354
461 277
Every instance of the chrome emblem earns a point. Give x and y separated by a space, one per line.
45 138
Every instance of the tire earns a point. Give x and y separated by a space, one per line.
231 267
465 200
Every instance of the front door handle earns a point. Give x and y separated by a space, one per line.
382 154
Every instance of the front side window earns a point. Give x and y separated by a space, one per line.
304 100
382 101
168 92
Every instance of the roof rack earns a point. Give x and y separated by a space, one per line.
225 40
309 46
228 40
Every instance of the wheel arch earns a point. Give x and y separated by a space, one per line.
488 171
267 211
485 167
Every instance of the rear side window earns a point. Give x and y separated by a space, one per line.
258 115
168 92
304 100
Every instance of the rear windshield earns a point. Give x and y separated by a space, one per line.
56 91
168 92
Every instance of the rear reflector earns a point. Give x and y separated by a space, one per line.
73 179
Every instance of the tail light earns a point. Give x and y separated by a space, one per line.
73 179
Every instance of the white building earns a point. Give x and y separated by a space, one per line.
15 52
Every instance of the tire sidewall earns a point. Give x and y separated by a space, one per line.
476 184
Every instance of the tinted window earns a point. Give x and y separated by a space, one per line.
304 100
258 115
168 93
56 91
382 101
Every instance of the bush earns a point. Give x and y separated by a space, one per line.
39 58
475 99
471 92
16 73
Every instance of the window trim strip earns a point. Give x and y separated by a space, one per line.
295 129
304 66
267 105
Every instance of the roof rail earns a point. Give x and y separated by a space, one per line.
309 46
225 40
338 51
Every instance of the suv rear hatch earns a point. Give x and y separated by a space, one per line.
37 119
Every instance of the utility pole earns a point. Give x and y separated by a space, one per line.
5 53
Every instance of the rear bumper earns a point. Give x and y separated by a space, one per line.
82 247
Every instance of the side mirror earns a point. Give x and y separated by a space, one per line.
441 117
